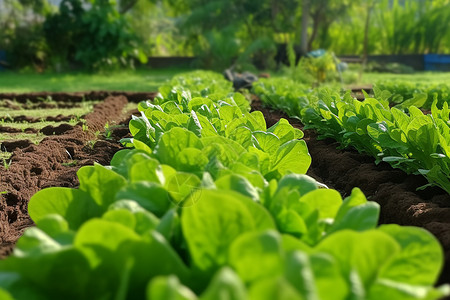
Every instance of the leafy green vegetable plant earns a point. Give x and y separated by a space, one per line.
411 141
193 213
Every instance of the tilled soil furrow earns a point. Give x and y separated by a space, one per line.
76 97
35 167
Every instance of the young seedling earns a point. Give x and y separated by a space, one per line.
6 164
108 132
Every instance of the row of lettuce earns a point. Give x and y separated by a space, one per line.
402 135
405 94
209 203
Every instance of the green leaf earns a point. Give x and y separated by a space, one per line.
356 198
291 244
303 184
53 224
169 224
388 289
144 220
284 131
102 234
194 125
4 295
75 206
358 218
252 175
173 142
119 157
225 285
292 157
168 288
228 113
100 183
256 255
239 184
256 121
146 170
273 288
216 220
420 260
362 252
150 195
141 146
42 264
242 135
299 273
151 257
182 185
328 277
122 216
325 201
191 160
267 141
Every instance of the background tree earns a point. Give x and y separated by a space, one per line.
92 34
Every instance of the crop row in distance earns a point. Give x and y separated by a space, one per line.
403 135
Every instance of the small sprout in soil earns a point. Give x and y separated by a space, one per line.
91 144
108 133
6 164
85 127
71 163
3 192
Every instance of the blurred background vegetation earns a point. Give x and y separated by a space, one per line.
93 35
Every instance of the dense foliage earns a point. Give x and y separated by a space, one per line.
80 34
211 204
219 33
402 135
405 94
97 37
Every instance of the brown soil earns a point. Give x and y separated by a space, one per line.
23 118
6 129
57 130
75 97
54 162
393 189
10 146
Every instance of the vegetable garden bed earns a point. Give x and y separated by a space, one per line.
394 190
62 151
239 214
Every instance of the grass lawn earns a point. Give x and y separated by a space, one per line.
84 108
142 80
416 78
147 80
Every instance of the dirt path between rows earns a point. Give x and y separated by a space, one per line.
54 162
71 98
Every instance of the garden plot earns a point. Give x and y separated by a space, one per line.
395 191
23 124
241 170
44 143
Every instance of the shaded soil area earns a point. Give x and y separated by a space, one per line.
23 118
15 105
394 190
76 97
7 129
47 130
54 162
